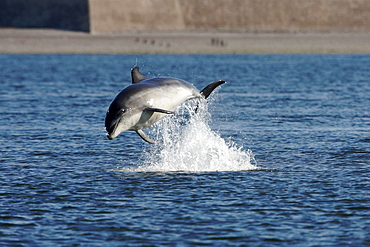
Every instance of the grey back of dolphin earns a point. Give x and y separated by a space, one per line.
146 101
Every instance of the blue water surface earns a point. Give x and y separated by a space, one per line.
305 118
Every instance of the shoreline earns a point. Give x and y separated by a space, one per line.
49 41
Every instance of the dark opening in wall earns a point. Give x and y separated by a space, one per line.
56 14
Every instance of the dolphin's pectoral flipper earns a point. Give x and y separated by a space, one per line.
145 137
137 76
159 110
208 89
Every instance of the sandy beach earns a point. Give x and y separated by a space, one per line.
43 41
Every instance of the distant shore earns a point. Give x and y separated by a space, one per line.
44 41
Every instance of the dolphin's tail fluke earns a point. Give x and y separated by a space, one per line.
209 89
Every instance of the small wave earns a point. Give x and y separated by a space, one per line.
185 142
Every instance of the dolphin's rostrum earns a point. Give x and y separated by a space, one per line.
148 100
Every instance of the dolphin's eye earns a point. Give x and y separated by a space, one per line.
120 112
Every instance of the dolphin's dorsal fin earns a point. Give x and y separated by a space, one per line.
145 137
208 89
136 75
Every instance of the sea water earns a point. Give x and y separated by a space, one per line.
278 156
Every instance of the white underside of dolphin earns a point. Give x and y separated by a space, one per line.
146 101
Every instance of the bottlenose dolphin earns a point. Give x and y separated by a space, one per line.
146 101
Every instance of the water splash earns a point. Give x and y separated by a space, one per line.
187 143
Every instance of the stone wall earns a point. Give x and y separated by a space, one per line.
99 16
277 15
246 15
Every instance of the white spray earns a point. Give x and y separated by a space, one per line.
185 142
